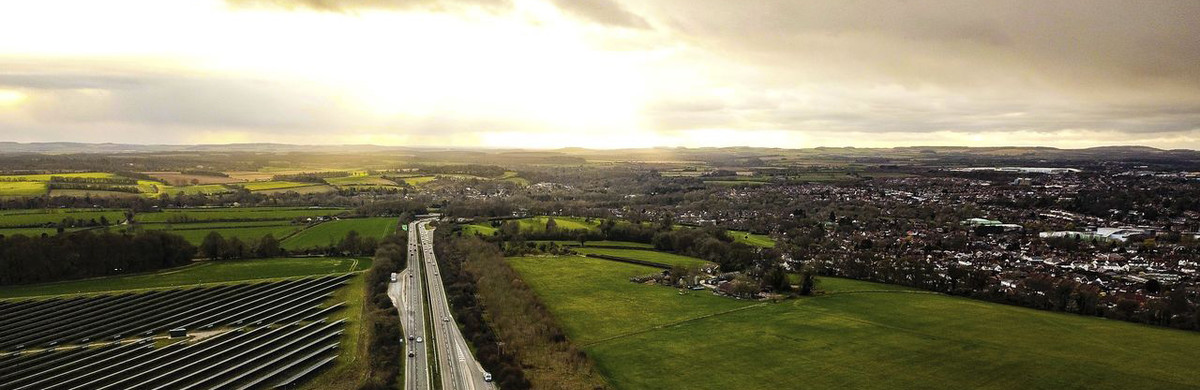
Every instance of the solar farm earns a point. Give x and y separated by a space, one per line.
234 336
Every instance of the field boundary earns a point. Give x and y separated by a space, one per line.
670 324
628 260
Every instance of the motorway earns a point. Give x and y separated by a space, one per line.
407 295
458 367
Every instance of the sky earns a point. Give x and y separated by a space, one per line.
602 73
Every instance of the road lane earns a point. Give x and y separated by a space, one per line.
407 295
460 370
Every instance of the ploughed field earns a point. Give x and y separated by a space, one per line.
855 335
250 335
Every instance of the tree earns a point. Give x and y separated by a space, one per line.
213 245
551 225
808 278
1153 286
351 243
776 280
235 248
267 246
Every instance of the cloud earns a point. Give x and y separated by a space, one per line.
606 12
357 5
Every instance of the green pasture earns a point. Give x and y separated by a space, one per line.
857 335
330 233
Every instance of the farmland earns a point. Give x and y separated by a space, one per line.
329 233
245 231
858 335
238 214
273 185
40 217
200 273
22 188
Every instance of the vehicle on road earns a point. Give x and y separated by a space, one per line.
411 353
410 337
487 377
445 319
420 340
393 277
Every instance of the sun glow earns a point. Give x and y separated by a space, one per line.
10 97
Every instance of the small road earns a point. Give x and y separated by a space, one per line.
407 295
458 367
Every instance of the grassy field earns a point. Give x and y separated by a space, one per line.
329 233
239 214
360 181
248 232
569 223
199 273
13 218
274 185
645 255
472 229
22 188
858 335
759 240
46 177
418 180
204 189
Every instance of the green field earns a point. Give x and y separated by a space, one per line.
14 218
538 224
239 214
274 185
46 177
472 229
203 189
248 232
329 233
22 188
360 181
859 335
645 255
759 240
199 273
418 180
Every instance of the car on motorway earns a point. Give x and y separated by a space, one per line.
411 337
487 377
411 353
445 319
420 340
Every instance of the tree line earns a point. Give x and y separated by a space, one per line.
85 254
478 281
